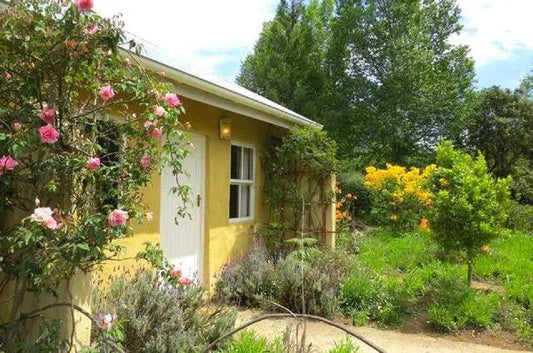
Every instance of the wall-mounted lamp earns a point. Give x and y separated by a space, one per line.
224 128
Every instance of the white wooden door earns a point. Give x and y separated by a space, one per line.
182 243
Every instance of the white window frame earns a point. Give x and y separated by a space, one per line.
244 182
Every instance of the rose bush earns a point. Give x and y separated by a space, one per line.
81 127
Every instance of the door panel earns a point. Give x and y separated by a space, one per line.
182 243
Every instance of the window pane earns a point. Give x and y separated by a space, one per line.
236 155
233 201
245 200
248 164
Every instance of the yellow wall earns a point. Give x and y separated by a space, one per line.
223 240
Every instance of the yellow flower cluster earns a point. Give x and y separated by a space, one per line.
400 188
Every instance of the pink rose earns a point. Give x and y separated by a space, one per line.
50 223
117 218
157 133
92 29
106 92
48 114
172 99
48 134
8 163
175 273
152 129
149 216
185 281
148 124
146 160
93 163
17 126
84 5
159 110
44 215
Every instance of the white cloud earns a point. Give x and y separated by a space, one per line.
201 33
496 29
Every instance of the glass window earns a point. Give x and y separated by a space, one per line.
242 182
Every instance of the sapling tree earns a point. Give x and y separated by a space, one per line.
469 205
81 127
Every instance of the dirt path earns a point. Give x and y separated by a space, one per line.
324 337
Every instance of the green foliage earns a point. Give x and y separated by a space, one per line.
520 217
295 170
64 65
262 280
501 129
248 342
469 207
345 346
461 309
351 181
397 84
287 64
160 317
399 275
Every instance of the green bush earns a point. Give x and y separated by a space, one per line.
469 207
159 317
260 280
461 309
375 298
248 342
520 217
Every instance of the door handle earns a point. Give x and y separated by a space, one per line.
198 200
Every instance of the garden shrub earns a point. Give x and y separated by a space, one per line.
81 134
157 316
520 217
399 195
259 280
469 207
377 298
461 309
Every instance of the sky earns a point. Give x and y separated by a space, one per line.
215 36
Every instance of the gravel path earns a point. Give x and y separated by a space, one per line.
324 337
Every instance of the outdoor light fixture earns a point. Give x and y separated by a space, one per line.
224 128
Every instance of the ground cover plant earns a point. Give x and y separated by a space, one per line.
248 342
401 275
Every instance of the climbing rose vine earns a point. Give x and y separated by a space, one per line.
82 128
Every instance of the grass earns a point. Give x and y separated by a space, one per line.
248 342
398 275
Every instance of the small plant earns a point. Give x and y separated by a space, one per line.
159 316
345 346
469 207
399 196
260 280
460 309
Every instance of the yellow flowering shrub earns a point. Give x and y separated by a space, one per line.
399 195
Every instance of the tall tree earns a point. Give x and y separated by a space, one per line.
398 85
502 129
287 64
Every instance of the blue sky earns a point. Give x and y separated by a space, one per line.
215 36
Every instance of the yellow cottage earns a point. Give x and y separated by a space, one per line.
229 127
